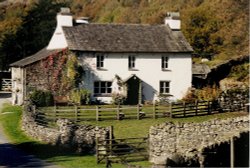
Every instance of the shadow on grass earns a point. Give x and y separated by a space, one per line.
21 155
45 151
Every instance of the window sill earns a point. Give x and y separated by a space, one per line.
101 69
103 95
133 69
165 69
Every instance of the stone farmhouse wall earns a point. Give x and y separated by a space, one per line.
170 142
36 77
81 138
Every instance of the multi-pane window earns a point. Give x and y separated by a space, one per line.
131 62
164 62
99 61
164 87
102 87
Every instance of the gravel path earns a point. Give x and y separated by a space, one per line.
11 156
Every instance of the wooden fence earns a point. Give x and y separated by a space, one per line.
80 114
111 150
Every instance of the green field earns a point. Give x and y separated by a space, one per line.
53 154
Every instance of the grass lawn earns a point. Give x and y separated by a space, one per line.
122 129
10 119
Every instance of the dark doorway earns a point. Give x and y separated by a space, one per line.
133 90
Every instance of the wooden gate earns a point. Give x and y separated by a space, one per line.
6 84
121 150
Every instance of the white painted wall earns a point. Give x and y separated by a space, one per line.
17 85
148 70
58 40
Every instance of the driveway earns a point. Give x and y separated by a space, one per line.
10 156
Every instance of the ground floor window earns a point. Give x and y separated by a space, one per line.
164 87
102 88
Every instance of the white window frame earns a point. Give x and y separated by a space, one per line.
131 62
100 61
165 88
164 62
102 88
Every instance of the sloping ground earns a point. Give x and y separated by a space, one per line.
222 70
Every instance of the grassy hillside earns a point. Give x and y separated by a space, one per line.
215 28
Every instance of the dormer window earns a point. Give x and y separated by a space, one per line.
164 62
131 62
100 61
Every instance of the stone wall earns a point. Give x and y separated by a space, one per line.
80 138
185 142
234 100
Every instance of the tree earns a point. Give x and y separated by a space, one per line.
32 34
200 29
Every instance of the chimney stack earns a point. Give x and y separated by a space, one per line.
64 19
173 20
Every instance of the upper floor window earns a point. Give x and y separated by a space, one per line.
100 61
164 87
164 62
102 87
131 62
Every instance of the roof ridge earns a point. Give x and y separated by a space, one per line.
124 24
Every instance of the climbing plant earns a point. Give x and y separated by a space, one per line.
61 72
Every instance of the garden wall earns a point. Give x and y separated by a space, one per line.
234 100
185 142
81 138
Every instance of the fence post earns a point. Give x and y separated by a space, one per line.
154 110
118 112
97 113
138 112
111 129
34 109
184 110
231 152
97 149
170 110
196 107
76 113
208 107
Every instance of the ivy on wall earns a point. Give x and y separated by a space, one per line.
61 72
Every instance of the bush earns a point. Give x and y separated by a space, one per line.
207 94
41 98
118 99
79 96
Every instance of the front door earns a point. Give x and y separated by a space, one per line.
133 90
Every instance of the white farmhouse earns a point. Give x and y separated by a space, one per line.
149 60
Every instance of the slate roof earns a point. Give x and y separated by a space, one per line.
117 38
44 53
200 70
125 38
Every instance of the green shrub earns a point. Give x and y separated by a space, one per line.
41 98
79 96
118 99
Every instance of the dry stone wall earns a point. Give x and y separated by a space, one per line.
234 100
185 142
81 138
